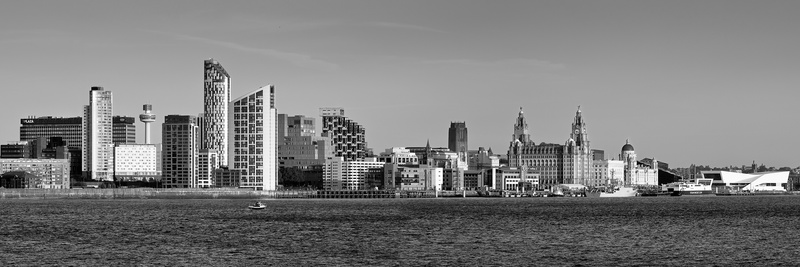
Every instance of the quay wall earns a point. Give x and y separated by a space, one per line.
217 193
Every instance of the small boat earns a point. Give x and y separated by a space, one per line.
257 206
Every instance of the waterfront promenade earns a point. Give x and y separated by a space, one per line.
217 193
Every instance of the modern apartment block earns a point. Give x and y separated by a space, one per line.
124 130
254 144
341 174
348 137
297 144
97 137
216 98
136 162
35 173
180 148
207 162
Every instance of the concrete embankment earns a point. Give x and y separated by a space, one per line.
217 193
150 193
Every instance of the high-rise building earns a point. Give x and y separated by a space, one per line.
147 117
348 137
216 97
254 144
124 130
179 141
457 137
67 130
98 143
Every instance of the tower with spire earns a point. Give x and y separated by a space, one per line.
578 153
557 164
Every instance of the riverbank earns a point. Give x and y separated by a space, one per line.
217 193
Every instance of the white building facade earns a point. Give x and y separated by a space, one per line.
753 182
254 144
97 141
339 174
136 162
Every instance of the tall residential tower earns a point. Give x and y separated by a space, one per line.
254 145
216 96
98 143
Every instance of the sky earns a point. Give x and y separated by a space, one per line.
687 82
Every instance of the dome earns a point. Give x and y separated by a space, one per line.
627 147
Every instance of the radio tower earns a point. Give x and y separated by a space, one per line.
147 117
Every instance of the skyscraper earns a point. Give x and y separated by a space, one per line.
254 146
179 140
98 144
216 96
349 140
457 138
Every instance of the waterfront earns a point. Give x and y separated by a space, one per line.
755 230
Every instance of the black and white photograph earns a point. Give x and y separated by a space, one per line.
399 133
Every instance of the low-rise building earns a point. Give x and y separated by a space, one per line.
136 162
753 182
42 173
339 174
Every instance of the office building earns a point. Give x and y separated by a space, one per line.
570 163
98 144
124 130
608 172
67 130
348 137
136 162
180 148
637 173
254 144
216 98
16 150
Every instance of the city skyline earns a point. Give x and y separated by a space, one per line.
704 82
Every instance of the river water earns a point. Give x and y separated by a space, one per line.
664 231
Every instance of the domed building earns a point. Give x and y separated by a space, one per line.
637 173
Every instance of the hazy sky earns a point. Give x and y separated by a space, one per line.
704 82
